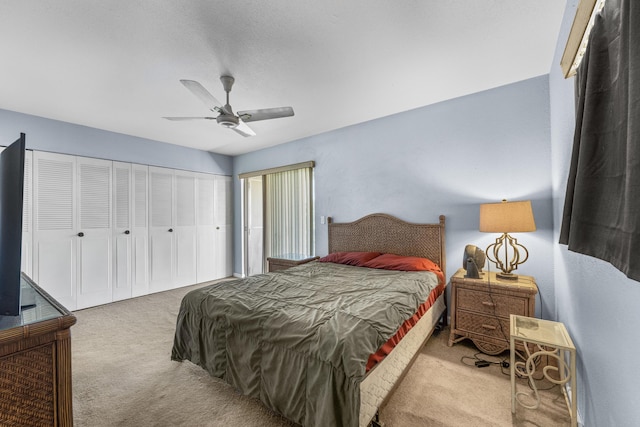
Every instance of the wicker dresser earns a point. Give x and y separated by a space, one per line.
282 262
480 308
35 364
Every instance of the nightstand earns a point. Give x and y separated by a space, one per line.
480 308
282 262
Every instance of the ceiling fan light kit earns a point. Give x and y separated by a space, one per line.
228 120
226 116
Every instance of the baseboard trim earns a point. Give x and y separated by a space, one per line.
567 389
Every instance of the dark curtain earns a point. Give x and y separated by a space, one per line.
602 206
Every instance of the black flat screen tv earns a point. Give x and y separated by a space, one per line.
11 191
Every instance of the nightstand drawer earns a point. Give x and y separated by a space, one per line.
480 308
480 324
284 262
277 265
491 303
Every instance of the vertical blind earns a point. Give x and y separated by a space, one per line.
288 209
289 212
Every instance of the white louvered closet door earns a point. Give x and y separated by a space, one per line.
122 210
185 228
205 229
140 230
161 230
54 231
223 223
94 232
27 216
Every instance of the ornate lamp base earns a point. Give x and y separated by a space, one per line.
506 264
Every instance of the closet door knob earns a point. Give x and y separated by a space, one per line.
81 234
127 232
171 230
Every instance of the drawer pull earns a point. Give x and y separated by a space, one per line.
488 304
490 327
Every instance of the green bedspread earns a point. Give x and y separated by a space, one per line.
299 339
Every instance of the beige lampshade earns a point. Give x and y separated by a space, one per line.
507 217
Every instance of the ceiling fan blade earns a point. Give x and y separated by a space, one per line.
203 95
265 114
177 119
243 129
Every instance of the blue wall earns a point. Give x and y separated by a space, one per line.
446 159
597 303
60 137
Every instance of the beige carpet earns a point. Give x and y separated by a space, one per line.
123 376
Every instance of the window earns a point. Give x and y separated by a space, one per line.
288 213
602 205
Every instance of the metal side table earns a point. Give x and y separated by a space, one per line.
549 339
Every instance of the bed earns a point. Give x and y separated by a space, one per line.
323 343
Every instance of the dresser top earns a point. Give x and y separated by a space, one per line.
45 311
522 283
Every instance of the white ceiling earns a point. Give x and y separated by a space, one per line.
116 65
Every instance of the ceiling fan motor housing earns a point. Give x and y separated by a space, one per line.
227 120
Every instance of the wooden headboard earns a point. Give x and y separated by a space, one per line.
388 234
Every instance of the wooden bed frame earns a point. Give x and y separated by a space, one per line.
388 234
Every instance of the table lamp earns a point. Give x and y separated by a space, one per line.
507 217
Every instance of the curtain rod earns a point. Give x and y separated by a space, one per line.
579 35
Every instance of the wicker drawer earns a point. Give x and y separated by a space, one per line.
484 302
480 308
480 324
277 265
288 261
27 387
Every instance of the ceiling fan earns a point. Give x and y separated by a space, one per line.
226 116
